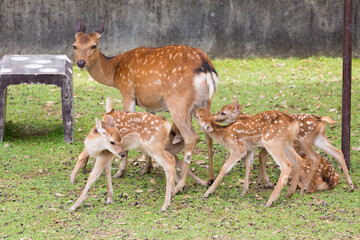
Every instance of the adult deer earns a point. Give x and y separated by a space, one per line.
272 130
172 78
311 133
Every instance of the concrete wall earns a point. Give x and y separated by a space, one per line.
222 28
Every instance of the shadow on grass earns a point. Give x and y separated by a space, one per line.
29 131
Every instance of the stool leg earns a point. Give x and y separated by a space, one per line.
3 97
67 109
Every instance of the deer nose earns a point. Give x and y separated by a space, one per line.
122 154
81 63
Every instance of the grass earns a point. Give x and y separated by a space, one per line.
35 191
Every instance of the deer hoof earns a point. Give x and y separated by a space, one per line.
210 182
72 208
119 174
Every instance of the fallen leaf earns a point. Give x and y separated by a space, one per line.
241 180
318 106
276 231
355 148
200 162
187 196
152 181
6 144
59 195
332 110
79 130
139 191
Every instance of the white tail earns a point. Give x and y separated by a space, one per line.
272 130
311 133
172 78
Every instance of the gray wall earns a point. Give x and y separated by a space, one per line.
222 28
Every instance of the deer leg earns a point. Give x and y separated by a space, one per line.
101 162
81 163
296 162
209 144
322 143
314 159
263 156
285 167
229 163
109 184
148 165
183 122
167 161
248 162
122 167
190 173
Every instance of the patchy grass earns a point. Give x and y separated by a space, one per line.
35 191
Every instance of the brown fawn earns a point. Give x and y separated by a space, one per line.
172 146
143 131
172 78
312 132
272 130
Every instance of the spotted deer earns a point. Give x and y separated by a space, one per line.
143 131
172 146
173 78
325 176
311 133
272 130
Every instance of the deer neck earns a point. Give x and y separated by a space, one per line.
104 68
218 133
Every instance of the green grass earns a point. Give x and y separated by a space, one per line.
35 191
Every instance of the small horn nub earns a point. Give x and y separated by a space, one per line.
109 105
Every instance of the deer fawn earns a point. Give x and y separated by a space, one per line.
312 132
273 130
325 176
172 78
142 131
172 145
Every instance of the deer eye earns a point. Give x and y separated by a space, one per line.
93 47
74 47
112 142
223 113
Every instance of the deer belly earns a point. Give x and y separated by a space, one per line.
153 103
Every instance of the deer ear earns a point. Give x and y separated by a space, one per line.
80 26
236 102
110 122
101 28
207 127
238 109
99 127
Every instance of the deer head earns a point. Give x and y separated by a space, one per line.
228 113
106 137
205 119
85 46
